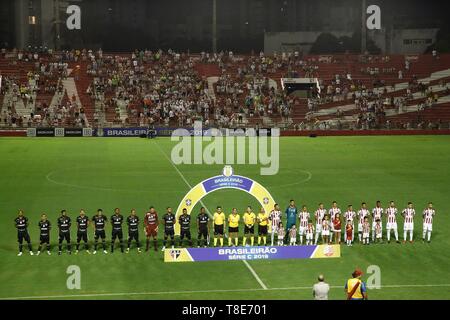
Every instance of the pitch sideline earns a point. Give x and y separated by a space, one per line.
206 291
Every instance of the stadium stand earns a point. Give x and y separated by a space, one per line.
86 88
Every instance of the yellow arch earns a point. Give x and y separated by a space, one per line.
199 191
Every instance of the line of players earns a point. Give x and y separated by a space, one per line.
327 225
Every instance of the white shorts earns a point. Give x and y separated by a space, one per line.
391 226
326 232
360 227
365 235
293 240
301 230
374 224
379 236
408 226
274 229
309 236
318 228
427 227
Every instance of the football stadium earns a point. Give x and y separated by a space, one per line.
224 150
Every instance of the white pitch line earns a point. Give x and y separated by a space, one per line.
182 176
261 283
153 293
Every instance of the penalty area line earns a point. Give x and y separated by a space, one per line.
249 267
203 291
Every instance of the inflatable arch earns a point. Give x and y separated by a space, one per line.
225 181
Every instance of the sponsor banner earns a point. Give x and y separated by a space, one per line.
179 132
73 132
251 253
59 132
123 132
88 132
236 182
31 132
45 132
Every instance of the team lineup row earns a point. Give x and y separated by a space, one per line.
328 224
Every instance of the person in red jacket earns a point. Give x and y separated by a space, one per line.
337 228
349 232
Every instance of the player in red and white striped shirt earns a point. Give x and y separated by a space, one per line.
362 213
391 223
351 215
332 212
365 230
428 215
309 233
408 222
303 217
326 229
274 218
319 215
377 214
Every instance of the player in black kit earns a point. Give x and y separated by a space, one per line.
99 221
203 227
185 227
64 224
82 224
116 222
169 222
21 224
44 228
133 230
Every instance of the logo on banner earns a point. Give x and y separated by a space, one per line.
59 132
328 251
175 254
227 171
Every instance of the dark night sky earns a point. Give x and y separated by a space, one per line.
186 24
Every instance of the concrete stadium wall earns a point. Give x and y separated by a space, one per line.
418 40
294 41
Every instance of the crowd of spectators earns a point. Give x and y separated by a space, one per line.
165 88
28 92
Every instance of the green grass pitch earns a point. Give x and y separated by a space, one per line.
49 174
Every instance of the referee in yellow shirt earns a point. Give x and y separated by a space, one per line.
249 229
233 227
263 221
219 225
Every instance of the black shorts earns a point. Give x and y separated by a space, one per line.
233 229
44 239
23 235
99 234
203 232
262 230
133 235
249 230
185 233
64 236
169 232
82 235
117 234
218 229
